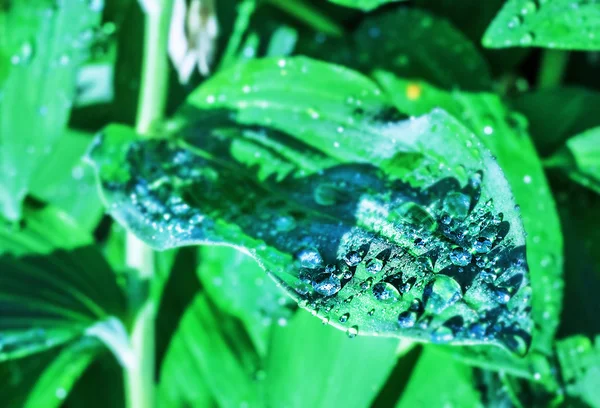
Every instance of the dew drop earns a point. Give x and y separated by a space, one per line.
386 292
344 318
326 284
407 319
352 258
352 332
460 257
444 292
374 265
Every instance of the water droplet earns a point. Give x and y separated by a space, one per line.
344 318
61 393
374 265
407 319
327 284
309 257
502 295
529 8
527 179
460 257
527 39
366 284
457 205
444 292
352 332
386 292
352 258
285 223
482 245
442 334
371 312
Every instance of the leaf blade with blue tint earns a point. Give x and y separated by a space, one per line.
367 227
564 24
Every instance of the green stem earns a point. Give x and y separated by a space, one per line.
553 66
139 377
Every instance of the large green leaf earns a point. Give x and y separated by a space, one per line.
379 226
326 363
365 5
46 44
504 133
580 159
440 381
566 24
580 368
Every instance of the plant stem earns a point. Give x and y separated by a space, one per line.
139 378
552 70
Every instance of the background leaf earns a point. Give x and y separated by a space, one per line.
564 24
580 159
46 45
438 381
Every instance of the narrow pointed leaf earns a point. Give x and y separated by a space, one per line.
386 227
365 5
565 24
60 376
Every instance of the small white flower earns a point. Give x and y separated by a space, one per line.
192 37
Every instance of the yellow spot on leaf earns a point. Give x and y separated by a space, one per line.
413 91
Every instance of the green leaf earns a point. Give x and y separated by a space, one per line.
326 364
504 134
51 298
46 45
565 24
209 358
580 159
580 368
440 381
365 5
43 231
60 376
239 286
556 114
395 250
416 44
64 181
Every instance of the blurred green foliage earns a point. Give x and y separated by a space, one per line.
312 109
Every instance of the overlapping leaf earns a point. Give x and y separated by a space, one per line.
566 24
580 159
45 45
379 226
53 288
